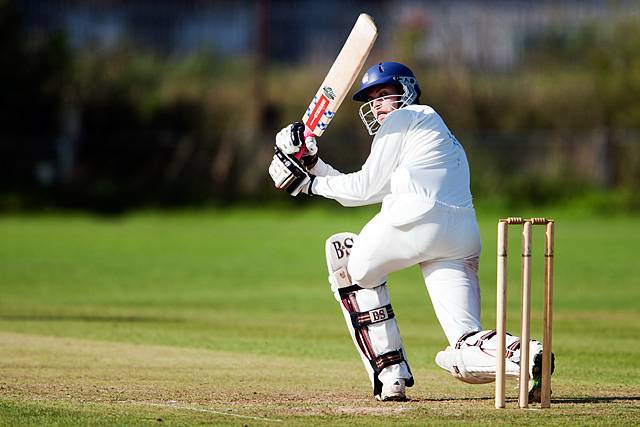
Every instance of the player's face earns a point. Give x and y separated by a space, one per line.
382 101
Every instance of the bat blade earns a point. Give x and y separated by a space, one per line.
341 76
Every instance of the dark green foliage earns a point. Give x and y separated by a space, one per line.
161 131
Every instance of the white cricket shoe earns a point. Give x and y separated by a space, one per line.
469 364
393 392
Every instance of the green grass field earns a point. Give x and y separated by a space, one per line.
200 318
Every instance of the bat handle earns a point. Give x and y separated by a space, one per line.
307 132
303 149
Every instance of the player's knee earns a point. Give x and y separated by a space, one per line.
348 263
356 270
363 273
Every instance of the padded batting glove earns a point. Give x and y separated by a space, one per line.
291 138
289 175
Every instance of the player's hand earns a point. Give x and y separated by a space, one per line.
287 174
291 138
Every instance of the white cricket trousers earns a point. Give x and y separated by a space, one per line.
446 244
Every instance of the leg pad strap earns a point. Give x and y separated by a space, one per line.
387 359
360 319
377 315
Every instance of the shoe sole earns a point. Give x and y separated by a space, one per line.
392 398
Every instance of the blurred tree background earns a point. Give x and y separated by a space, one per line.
112 105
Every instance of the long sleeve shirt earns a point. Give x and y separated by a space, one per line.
415 162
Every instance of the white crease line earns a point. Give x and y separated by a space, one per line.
212 412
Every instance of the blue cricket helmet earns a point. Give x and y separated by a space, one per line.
389 72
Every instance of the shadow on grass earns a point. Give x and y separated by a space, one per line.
448 399
596 399
559 400
76 318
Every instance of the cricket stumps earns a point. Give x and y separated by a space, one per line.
525 321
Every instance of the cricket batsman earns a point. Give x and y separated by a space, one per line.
419 172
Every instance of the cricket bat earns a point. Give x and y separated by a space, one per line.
341 76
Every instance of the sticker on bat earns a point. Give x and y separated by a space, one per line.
329 92
317 113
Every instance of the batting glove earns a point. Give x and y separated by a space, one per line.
287 174
290 139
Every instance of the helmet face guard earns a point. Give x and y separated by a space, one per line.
368 112
380 74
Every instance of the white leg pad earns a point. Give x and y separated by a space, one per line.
473 359
369 317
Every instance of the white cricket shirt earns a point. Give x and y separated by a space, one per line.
415 162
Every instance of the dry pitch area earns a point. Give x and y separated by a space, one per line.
162 320
45 379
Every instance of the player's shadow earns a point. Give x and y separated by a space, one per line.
558 400
86 318
447 399
604 399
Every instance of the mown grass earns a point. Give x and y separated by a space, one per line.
196 317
